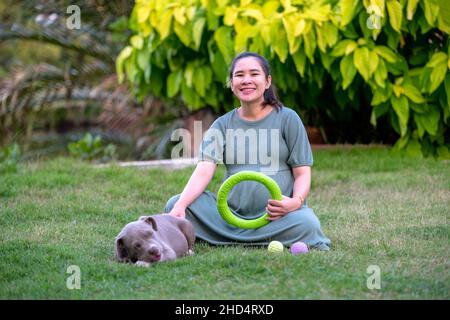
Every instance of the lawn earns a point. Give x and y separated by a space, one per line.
378 209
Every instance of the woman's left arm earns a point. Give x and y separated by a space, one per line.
302 183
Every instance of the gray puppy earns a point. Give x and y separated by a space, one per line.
153 239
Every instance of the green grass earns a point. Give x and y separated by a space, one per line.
377 208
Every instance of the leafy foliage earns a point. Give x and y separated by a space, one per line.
9 158
91 148
393 55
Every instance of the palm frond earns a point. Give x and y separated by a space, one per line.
76 41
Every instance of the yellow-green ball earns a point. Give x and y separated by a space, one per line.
275 247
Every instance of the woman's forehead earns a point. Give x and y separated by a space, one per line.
246 64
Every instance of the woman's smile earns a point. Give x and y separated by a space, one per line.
249 81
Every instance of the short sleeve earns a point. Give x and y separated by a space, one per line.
296 138
213 143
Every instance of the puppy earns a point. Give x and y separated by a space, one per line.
153 239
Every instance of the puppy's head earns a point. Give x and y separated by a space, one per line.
136 242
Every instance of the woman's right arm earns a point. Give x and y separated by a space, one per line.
197 183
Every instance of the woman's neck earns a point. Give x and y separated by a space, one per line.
254 111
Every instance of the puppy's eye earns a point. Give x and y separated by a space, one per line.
137 245
149 234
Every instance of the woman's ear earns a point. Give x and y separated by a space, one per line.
269 81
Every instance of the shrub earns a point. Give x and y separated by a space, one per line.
9 158
92 148
328 57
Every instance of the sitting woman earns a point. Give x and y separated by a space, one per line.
277 146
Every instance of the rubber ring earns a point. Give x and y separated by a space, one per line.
228 184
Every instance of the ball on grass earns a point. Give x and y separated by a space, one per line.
299 247
275 247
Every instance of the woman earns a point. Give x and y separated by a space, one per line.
261 135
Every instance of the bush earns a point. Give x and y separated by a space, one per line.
92 148
9 158
392 56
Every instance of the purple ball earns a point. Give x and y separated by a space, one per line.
299 247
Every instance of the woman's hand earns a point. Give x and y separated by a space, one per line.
278 209
178 211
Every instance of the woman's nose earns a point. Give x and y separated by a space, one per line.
245 80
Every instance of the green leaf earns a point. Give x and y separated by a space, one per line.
381 95
300 61
179 15
225 43
429 120
289 23
437 76
386 53
411 8
431 10
142 12
165 23
443 152
401 108
198 31
348 71
437 59
331 33
123 55
231 13
279 40
419 124
309 41
189 74
174 82
199 82
413 93
362 62
219 67
395 14
373 65
211 97
402 142
184 33
413 148
137 41
343 47
191 99
380 74
348 8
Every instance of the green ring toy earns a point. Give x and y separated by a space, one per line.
225 188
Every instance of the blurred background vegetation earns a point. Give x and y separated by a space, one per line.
57 83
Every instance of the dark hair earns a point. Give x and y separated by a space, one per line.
270 95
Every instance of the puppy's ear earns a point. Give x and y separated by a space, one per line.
152 221
121 251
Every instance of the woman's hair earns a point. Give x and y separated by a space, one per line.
270 94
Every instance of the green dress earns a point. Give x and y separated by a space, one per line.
272 145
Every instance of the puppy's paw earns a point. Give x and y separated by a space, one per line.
141 263
190 252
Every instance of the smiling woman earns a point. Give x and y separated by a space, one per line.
260 111
251 82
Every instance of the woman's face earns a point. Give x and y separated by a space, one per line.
249 81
